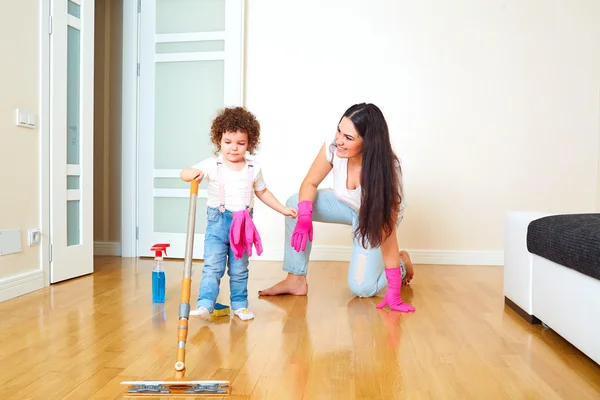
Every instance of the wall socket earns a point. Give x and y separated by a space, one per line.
34 237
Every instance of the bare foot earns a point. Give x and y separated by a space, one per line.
410 271
292 284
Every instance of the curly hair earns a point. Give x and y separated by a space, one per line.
234 119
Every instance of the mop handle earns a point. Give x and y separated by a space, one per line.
186 284
189 245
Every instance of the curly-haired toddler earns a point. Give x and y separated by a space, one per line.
232 182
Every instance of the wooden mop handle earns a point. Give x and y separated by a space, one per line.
186 284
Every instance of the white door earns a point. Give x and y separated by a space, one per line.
190 67
71 139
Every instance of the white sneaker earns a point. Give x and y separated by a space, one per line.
201 312
244 314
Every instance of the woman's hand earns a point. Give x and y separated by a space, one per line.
303 231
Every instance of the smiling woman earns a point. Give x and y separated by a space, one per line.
367 194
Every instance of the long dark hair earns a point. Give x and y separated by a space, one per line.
380 177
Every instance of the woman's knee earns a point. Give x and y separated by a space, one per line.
363 284
365 273
365 289
292 201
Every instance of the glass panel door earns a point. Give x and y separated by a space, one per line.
190 67
71 130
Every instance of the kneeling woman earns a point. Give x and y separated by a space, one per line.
367 194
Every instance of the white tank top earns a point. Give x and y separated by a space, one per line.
340 177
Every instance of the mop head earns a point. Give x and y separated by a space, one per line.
174 388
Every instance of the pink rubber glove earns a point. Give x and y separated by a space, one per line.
236 234
392 295
304 228
251 236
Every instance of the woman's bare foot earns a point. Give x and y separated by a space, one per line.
292 284
410 271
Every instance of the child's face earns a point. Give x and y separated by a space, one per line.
234 145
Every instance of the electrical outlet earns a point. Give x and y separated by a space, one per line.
35 236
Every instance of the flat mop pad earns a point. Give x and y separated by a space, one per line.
175 388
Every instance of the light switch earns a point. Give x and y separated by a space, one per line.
25 118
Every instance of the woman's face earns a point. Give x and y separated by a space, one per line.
349 143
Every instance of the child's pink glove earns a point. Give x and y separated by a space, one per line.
236 234
304 228
251 236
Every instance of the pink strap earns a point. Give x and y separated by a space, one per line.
222 186
250 182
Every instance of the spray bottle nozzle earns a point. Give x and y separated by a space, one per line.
159 248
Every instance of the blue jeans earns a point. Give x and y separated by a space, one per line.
218 254
366 274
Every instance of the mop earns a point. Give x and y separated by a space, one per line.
179 385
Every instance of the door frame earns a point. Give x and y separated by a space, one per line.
44 127
45 130
129 128
130 120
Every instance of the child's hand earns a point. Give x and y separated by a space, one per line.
290 212
189 174
195 174
198 175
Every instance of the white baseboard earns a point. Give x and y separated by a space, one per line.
443 257
457 257
107 249
318 253
18 285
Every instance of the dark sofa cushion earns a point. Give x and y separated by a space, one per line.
571 240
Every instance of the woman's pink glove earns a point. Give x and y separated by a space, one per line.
304 228
392 295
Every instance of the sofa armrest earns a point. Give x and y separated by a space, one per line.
518 268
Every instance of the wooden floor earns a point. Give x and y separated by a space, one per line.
79 339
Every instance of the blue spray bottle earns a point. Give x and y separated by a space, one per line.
159 281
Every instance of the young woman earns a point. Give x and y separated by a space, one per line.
367 194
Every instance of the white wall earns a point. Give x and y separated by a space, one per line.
598 170
19 148
492 106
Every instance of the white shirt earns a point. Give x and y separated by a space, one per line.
236 184
340 176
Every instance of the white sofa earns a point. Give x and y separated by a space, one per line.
541 290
